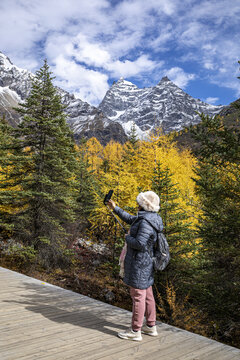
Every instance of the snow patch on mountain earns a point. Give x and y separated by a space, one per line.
5 61
118 114
9 97
127 126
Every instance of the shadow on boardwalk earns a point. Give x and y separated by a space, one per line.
81 311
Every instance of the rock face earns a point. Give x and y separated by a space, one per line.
8 100
84 119
15 84
16 79
164 105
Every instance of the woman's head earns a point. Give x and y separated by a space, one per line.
148 201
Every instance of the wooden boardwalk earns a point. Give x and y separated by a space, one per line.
42 321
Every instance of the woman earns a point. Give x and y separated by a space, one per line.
138 266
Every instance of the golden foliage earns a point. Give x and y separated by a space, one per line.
3 174
128 171
179 311
94 153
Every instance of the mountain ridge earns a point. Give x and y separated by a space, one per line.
164 105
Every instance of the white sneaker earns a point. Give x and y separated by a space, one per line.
130 335
152 331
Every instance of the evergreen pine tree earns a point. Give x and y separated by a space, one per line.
131 147
178 231
218 185
87 186
6 141
133 137
39 188
5 136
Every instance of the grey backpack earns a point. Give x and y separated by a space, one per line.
161 254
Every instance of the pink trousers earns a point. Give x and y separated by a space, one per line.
143 304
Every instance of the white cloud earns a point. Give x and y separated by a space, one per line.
143 7
195 33
160 42
179 77
211 100
92 54
209 36
79 47
26 23
225 62
69 55
209 65
131 68
231 83
89 85
221 12
103 38
124 42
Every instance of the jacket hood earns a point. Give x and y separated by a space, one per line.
154 219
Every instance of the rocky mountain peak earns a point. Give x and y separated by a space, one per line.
164 105
5 61
164 79
123 85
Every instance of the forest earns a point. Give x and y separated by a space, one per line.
51 201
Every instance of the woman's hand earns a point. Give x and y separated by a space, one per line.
128 233
111 204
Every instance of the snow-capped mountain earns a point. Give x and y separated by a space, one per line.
84 119
124 104
164 105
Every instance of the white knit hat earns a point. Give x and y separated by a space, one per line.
149 201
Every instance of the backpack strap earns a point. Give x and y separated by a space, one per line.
157 231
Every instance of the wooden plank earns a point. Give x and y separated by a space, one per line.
116 346
15 340
72 318
173 353
200 352
40 329
69 305
222 353
76 306
79 320
95 340
76 323
55 312
46 340
163 342
46 311
89 351
51 347
63 331
72 343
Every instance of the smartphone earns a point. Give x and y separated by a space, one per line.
107 197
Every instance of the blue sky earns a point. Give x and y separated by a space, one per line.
91 43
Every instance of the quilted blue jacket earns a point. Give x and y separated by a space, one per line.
138 267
